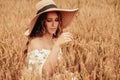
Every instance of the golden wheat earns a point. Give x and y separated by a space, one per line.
93 55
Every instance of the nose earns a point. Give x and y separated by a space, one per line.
54 24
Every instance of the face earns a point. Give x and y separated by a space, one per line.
52 22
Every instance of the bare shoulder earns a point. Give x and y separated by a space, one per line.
35 43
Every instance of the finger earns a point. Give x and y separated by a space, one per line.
67 36
68 39
67 33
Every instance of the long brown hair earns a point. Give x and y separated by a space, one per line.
39 28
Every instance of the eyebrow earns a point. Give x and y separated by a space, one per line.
52 18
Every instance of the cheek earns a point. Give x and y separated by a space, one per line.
47 25
57 24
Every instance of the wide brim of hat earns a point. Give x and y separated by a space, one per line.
67 16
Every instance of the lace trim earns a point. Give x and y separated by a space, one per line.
37 58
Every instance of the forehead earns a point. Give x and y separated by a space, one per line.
52 14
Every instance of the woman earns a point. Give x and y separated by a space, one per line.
45 36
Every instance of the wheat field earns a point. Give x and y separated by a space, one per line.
94 54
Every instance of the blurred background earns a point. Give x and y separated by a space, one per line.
93 55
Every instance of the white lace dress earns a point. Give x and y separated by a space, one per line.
37 58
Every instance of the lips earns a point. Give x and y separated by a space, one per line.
53 28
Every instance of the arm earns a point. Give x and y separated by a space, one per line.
51 61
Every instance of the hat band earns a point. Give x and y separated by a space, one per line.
46 7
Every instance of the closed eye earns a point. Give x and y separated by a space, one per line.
49 20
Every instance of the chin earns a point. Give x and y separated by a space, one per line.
51 33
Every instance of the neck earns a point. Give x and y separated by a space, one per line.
48 36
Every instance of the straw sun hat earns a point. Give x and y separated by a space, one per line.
47 6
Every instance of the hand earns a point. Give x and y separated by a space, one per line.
64 38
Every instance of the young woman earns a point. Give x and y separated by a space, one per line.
45 36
